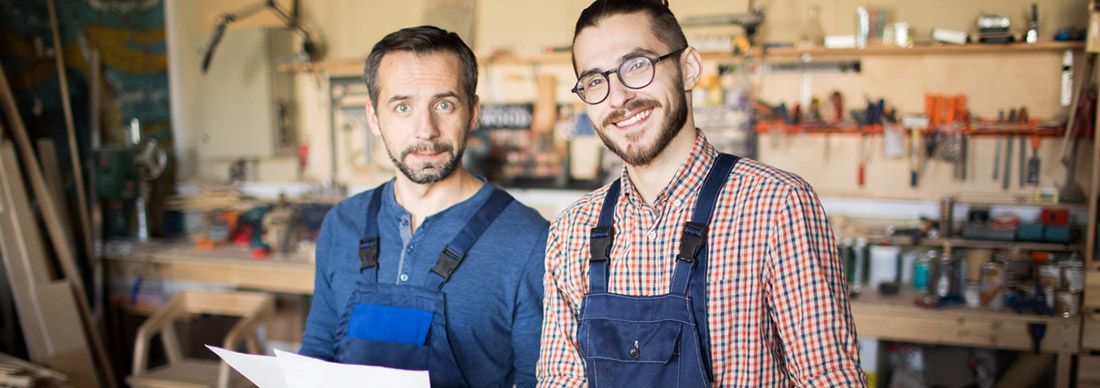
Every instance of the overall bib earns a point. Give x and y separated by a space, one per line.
651 341
405 326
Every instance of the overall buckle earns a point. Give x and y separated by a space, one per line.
446 263
692 241
368 253
599 244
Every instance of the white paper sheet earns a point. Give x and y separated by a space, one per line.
289 370
305 372
260 370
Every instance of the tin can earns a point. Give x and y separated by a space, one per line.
1073 276
973 294
992 284
1049 276
1067 304
921 270
1017 267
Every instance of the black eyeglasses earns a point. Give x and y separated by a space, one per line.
634 72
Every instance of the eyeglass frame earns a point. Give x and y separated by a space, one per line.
606 75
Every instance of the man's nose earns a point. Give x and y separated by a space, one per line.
427 127
617 93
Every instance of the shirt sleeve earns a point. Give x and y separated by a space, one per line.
319 340
528 321
560 363
809 296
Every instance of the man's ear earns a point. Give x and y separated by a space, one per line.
372 118
475 113
692 65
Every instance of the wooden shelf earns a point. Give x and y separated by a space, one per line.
927 49
976 129
895 317
354 66
996 244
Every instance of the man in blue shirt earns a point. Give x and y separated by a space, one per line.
436 269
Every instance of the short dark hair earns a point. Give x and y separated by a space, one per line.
422 40
662 22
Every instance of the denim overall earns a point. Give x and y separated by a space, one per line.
651 341
405 326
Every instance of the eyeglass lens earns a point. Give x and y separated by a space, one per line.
634 73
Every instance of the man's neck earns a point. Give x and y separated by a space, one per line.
423 200
652 178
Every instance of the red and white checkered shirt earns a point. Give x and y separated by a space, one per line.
778 308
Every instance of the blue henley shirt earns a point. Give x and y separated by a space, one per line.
493 299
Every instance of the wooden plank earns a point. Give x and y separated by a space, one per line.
296 278
1091 299
70 130
69 350
1088 371
1094 192
47 155
1090 333
231 265
21 249
895 318
59 236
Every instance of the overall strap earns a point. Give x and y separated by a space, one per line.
600 240
693 253
456 250
694 237
369 244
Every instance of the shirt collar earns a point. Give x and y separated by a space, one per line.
684 183
470 205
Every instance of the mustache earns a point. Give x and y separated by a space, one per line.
427 147
632 106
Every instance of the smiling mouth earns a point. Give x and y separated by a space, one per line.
634 119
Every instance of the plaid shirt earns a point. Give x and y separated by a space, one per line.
777 301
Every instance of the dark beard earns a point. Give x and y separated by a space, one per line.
429 173
670 127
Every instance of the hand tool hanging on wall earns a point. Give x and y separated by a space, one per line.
1033 163
1023 120
997 158
838 106
1007 178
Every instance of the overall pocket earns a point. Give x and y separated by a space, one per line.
389 336
631 354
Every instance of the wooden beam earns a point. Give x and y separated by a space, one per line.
22 250
59 237
47 155
70 128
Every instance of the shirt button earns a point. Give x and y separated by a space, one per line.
652 235
404 277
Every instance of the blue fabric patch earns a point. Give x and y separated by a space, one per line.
382 323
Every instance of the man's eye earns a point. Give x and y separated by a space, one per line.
402 108
637 64
445 105
594 82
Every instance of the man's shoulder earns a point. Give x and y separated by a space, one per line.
520 215
350 211
583 211
765 176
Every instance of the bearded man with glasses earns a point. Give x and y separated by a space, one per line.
695 268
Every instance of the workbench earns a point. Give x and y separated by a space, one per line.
896 318
893 317
229 265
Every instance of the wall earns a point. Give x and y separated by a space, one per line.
350 27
